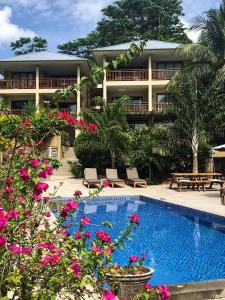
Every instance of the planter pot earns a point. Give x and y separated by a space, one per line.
128 285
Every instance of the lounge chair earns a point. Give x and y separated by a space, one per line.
90 177
133 178
112 177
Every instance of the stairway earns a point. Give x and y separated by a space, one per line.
64 169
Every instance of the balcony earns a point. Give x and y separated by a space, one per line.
128 75
44 83
20 112
18 84
160 106
136 108
55 83
163 74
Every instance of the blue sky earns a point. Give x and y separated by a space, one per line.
62 20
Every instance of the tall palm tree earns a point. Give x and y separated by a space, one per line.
112 127
207 57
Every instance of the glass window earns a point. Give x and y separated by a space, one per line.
169 65
138 125
136 99
22 104
160 98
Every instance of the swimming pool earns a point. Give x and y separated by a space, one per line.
182 244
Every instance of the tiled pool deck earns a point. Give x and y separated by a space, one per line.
208 201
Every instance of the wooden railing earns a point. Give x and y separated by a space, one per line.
44 83
127 75
20 112
18 84
163 74
55 83
136 108
160 106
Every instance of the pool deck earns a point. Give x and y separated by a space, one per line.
208 201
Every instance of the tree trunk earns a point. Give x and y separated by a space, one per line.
113 159
150 171
195 151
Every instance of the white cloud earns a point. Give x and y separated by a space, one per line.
89 10
10 32
193 35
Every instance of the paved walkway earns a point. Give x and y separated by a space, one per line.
208 201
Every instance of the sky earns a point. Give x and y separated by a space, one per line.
60 21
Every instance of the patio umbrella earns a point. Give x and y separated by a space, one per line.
220 148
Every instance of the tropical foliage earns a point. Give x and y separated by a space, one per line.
131 20
28 45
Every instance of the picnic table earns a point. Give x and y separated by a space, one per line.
199 180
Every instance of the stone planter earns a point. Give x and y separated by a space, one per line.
128 285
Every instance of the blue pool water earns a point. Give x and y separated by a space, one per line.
183 245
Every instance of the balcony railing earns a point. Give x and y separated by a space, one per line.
20 112
44 83
163 74
160 106
137 108
127 75
55 83
17 84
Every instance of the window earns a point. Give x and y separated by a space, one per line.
22 104
161 98
137 125
169 65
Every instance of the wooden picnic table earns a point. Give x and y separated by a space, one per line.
199 180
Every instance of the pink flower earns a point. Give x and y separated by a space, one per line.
85 220
55 259
47 214
34 163
3 221
133 258
45 260
24 174
7 190
76 269
21 200
27 213
16 249
92 127
40 187
77 193
78 235
49 246
26 251
13 214
49 170
42 174
97 250
163 292
87 234
2 241
70 206
9 180
135 218
104 236
105 184
108 295
148 287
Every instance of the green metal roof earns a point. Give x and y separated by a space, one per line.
42 56
150 45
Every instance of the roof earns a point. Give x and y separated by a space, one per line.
150 45
42 56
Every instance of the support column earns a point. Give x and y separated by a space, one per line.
104 84
150 106
78 93
37 94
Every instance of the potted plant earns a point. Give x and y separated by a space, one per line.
96 102
130 279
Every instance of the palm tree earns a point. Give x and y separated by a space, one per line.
112 127
207 56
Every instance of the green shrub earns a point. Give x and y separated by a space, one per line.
76 169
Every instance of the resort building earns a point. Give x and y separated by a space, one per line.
32 79
144 81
